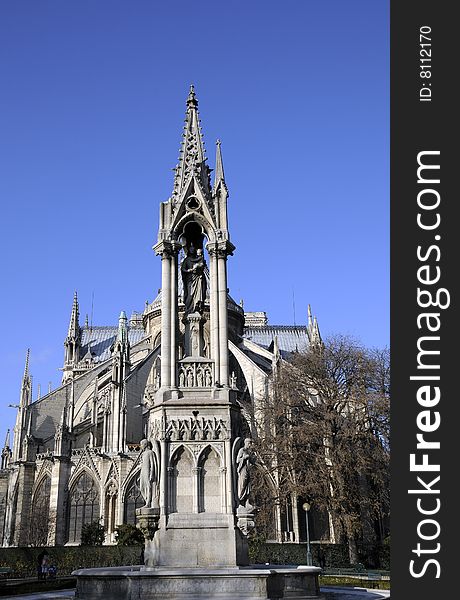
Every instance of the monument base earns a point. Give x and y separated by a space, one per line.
241 583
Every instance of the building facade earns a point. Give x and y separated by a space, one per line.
175 374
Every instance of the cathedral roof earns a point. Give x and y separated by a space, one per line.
99 339
291 338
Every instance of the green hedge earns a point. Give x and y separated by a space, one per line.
324 555
23 561
327 555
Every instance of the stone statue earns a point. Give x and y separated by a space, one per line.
147 479
244 460
194 280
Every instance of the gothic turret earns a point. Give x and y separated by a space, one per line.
25 399
72 343
313 330
114 427
6 451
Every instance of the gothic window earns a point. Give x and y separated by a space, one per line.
133 501
39 522
83 505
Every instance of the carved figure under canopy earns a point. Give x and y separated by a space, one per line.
194 280
244 460
148 476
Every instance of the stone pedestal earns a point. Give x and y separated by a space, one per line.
148 522
245 519
193 337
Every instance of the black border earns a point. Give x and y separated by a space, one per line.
418 126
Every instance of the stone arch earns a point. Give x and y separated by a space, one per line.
83 504
206 449
131 497
179 449
210 480
181 484
39 520
198 218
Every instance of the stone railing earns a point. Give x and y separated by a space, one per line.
49 454
95 451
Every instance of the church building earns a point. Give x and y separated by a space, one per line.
172 374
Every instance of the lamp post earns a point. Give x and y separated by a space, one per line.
306 506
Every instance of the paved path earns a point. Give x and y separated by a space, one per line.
52 595
331 593
350 593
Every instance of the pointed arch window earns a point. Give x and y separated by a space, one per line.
84 505
133 501
39 522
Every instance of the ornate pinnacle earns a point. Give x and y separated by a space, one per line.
74 327
192 102
192 155
26 367
219 173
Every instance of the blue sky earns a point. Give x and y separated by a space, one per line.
92 104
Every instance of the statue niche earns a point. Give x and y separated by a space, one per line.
193 272
194 280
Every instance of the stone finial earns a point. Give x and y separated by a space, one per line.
74 326
219 176
122 335
192 99
26 366
192 156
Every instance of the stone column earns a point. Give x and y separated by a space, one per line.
197 492
223 317
164 479
228 476
223 489
169 490
214 313
165 319
173 324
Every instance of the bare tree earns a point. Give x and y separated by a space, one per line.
325 435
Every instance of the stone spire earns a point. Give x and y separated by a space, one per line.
121 346
72 342
74 327
122 335
313 329
219 177
192 158
316 338
25 398
26 385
